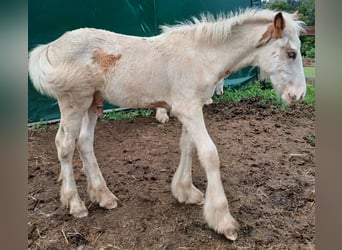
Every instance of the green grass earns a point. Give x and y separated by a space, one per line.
310 96
310 138
252 90
146 112
127 114
310 71
42 124
267 95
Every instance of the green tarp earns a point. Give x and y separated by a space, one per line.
50 19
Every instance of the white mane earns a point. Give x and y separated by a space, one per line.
217 28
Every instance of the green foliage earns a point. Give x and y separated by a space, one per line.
310 53
308 42
310 71
305 8
278 5
251 91
267 95
310 138
310 96
119 115
127 114
42 124
306 11
146 112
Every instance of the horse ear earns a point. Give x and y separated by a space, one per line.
266 37
278 24
295 15
273 30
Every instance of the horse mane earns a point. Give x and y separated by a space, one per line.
217 28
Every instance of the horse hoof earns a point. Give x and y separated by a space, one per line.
80 213
109 201
231 234
109 204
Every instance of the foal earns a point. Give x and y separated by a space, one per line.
176 70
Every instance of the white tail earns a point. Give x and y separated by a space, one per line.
40 69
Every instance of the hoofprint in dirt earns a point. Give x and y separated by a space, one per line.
267 167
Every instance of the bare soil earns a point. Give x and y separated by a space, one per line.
268 172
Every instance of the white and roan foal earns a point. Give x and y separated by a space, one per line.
176 70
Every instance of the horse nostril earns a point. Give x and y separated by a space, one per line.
301 97
293 97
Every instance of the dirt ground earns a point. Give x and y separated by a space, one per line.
268 172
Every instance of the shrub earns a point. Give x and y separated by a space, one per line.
308 43
310 53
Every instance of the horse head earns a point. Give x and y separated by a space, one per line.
279 56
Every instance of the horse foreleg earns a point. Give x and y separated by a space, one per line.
216 211
97 188
182 186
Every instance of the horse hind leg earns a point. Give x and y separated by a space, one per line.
161 115
72 110
97 188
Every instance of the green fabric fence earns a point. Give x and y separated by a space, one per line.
47 20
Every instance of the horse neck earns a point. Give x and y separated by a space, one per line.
235 50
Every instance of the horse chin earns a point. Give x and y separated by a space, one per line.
286 99
280 93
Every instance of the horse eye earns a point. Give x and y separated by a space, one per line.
291 54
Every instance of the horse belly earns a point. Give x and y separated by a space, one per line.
136 89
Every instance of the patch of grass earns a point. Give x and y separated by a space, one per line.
310 138
310 71
310 96
267 95
146 112
127 114
122 114
42 124
251 91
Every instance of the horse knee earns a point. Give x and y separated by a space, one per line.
65 152
65 147
59 136
85 143
208 156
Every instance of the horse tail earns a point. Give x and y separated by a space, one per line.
41 70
